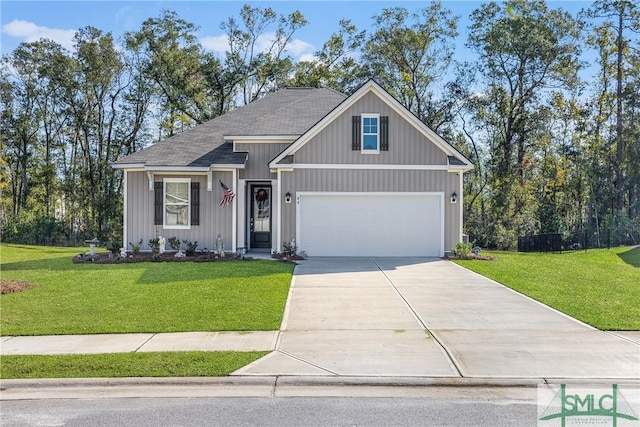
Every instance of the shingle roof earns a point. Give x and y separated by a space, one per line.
285 112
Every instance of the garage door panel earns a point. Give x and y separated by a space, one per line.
370 225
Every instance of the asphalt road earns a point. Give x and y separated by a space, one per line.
265 411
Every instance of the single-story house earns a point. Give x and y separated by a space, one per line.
355 175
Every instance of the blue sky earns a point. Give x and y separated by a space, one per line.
25 20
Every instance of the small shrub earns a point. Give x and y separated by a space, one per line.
290 248
135 247
190 247
462 250
174 243
154 244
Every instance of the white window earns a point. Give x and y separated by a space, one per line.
370 133
177 203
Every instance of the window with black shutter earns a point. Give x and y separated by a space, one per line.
375 135
171 208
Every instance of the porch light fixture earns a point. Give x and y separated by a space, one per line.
454 197
287 197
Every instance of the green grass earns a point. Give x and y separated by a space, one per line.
139 297
600 287
162 364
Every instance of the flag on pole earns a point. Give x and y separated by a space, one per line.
227 195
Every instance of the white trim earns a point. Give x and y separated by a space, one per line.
440 195
164 207
151 179
129 166
234 210
369 116
275 228
257 139
226 167
370 86
279 211
370 193
241 196
210 181
366 166
186 170
124 206
461 205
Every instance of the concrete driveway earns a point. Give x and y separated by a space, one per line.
432 318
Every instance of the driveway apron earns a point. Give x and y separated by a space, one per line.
429 317
344 317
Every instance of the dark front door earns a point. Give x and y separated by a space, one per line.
260 216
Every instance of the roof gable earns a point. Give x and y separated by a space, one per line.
373 87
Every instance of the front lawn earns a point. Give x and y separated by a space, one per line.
161 364
600 287
68 298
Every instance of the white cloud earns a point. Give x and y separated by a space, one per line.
308 57
220 44
30 32
299 47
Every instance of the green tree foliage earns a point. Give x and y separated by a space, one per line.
525 49
409 54
334 65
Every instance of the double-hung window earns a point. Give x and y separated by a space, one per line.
370 133
177 202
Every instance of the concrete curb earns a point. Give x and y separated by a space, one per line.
302 381
474 389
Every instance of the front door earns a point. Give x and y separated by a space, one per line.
260 216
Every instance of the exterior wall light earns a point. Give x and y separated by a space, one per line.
454 197
287 197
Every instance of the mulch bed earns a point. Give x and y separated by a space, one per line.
12 286
472 256
104 258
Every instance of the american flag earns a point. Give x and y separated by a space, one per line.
227 195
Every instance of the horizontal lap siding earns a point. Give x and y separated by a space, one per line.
372 181
214 219
407 145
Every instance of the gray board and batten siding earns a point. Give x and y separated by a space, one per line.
407 146
214 219
260 154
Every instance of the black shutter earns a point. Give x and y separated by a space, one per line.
195 203
384 133
355 133
158 203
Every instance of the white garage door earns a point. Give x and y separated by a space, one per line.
365 224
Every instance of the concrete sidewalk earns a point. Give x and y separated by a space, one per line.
126 343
